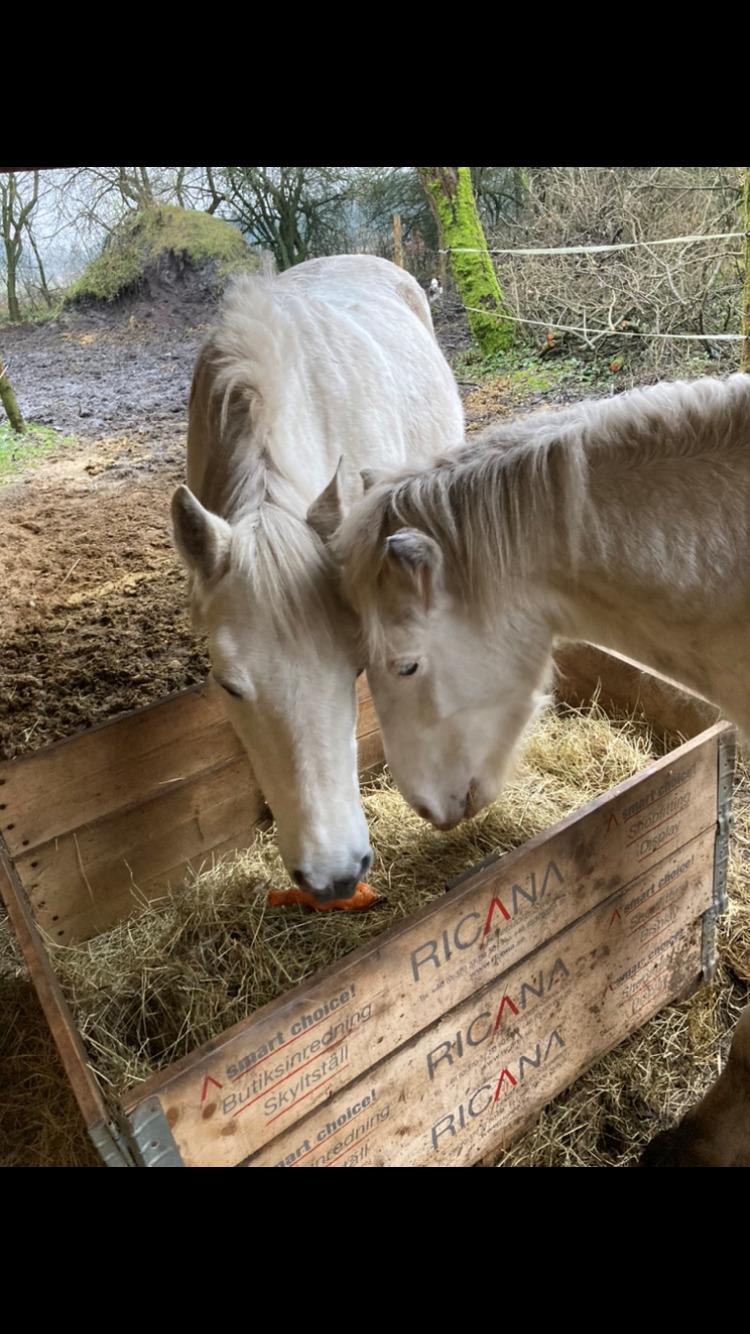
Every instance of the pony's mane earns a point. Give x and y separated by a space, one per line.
287 569
248 356
500 503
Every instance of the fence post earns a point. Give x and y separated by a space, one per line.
398 250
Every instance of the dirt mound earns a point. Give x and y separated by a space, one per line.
159 266
173 292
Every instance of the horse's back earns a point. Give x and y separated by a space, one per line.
346 279
336 357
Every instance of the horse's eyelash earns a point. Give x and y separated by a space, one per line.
235 693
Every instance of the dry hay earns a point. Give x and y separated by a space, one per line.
188 966
648 1082
40 1125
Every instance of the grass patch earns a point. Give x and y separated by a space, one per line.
530 373
19 452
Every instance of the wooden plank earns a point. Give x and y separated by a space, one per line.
470 1082
392 988
59 1018
82 881
124 763
32 783
627 685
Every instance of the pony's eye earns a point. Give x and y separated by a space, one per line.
407 668
230 690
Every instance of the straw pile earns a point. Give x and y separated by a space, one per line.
188 966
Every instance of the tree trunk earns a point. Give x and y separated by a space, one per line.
398 249
745 358
14 308
42 276
452 199
9 402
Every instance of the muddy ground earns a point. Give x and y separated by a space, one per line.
93 617
93 614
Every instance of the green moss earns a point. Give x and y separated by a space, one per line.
142 237
450 192
18 452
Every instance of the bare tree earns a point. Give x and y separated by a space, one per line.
43 285
616 299
19 193
290 210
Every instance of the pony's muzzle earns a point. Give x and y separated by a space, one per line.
458 810
341 888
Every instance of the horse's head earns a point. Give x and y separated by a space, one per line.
452 690
283 650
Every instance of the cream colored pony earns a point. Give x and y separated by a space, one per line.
308 377
624 522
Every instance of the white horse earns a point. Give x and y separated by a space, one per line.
308 376
624 522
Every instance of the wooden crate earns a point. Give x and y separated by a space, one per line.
436 1042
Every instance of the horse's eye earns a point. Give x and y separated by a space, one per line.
230 690
407 669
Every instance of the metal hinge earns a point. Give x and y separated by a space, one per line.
152 1136
111 1145
725 788
727 755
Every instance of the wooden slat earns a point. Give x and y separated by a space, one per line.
628 685
471 1081
83 882
123 763
393 988
47 988
33 784
164 811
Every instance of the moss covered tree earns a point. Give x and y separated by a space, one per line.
451 197
9 401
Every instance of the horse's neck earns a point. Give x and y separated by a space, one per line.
661 572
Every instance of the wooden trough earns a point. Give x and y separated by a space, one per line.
439 1041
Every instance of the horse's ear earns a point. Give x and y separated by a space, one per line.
201 538
371 477
418 559
325 513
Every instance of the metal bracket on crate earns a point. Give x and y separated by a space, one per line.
727 754
725 787
111 1145
153 1138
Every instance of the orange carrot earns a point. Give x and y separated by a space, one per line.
363 897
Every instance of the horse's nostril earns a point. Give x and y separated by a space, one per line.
365 865
424 813
344 888
300 880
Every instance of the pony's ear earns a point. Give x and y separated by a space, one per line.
371 477
202 538
325 513
418 559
